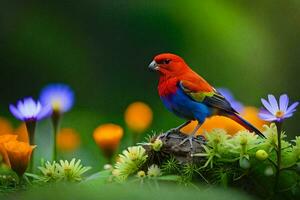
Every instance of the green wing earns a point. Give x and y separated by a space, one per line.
212 99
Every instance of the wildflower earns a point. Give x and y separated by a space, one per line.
138 116
261 155
242 142
271 140
5 126
157 145
19 154
67 140
59 96
154 171
277 113
3 153
63 171
216 145
29 110
49 172
130 161
108 137
71 171
238 106
141 174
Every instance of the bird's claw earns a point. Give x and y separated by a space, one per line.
190 139
167 134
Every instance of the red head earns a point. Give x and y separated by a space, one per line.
168 64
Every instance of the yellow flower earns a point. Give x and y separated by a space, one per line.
138 116
108 137
67 139
19 154
5 126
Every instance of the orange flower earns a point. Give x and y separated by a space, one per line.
5 126
231 127
108 137
22 133
138 116
251 115
19 154
67 139
3 153
225 123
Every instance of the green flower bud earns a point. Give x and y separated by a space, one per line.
269 171
157 144
244 163
141 174
261 155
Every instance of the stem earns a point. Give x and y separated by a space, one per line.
55 122
278 155
30 126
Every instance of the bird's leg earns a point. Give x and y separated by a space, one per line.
175 130
191 136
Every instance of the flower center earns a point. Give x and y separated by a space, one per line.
56 105
279 114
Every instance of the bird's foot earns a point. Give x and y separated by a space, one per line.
199 139
189 139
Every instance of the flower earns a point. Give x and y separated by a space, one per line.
71 171
157 145
59 96
19 154
29 110
67 139
154 171
273 112
242 142
130 161
5 126
63 171
138 116
108 137
238 106
141 174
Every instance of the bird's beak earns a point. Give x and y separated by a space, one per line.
153 66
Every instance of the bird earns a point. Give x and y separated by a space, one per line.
189 96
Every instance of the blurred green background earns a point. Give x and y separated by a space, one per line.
102 50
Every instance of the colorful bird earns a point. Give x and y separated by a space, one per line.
189 96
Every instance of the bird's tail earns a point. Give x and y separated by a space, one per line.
245 124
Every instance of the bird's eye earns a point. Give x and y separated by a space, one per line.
167 61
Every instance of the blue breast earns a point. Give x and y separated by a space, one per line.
183 106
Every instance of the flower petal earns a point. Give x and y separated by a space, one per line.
292 107
267 116
267 106
283 102
273 103
16 113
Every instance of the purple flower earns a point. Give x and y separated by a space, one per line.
29 110
59 96
275 112
238 106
